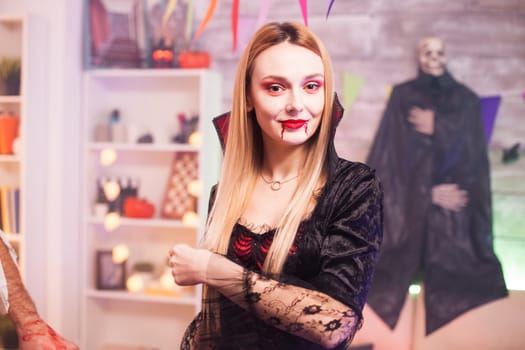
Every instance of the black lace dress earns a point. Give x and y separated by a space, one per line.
317 301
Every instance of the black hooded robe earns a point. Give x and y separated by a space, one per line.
451 252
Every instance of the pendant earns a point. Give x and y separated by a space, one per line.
275 185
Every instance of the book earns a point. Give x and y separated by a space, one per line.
5 209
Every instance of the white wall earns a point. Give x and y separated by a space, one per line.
58 302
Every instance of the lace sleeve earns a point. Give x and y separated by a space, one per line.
302 311
306 313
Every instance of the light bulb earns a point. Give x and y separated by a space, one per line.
195 139
135 283
111 221
195 188
166 280
108 156
190 219
414 289
120 253
111 190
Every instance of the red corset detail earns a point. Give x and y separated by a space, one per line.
251 249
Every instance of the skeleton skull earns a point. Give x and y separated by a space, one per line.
431 56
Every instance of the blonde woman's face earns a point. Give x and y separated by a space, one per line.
287 93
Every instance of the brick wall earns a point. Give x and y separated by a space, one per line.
376 39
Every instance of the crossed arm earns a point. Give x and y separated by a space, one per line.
306 313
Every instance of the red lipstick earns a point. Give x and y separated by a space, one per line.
293 123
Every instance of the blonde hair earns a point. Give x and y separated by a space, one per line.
243 152
243 156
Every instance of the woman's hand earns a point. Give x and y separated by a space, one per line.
188 265
38 335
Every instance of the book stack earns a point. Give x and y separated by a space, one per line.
10 209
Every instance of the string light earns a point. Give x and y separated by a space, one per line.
107 156
111 221
414 289
135 283
111 190
190 219
195 188
195 139
120 253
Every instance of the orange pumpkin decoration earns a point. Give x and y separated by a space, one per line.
138 208
194 59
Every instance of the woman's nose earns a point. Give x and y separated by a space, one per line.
295 105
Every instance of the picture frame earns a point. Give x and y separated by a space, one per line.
114 35
110 275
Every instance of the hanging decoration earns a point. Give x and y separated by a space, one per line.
263 13
304 10
235 23
329 8
189 21
206 20
170 7
246 28
511 154
489 110
388 91
351 86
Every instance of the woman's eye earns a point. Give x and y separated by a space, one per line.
312 86
275 88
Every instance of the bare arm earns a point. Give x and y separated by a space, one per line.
33 332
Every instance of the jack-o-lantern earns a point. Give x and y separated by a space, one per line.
162 54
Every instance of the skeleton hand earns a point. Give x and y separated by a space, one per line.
422 120
188 265
449 196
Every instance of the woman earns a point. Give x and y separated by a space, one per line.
293 230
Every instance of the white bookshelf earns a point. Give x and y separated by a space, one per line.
22 37
148 100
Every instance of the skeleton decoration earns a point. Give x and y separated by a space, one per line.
430 152
431 56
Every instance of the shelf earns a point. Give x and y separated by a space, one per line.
158 223
10 99
149 101
7 158
126 296
13 237
142 147
148 73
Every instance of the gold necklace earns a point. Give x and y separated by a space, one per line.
275 185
